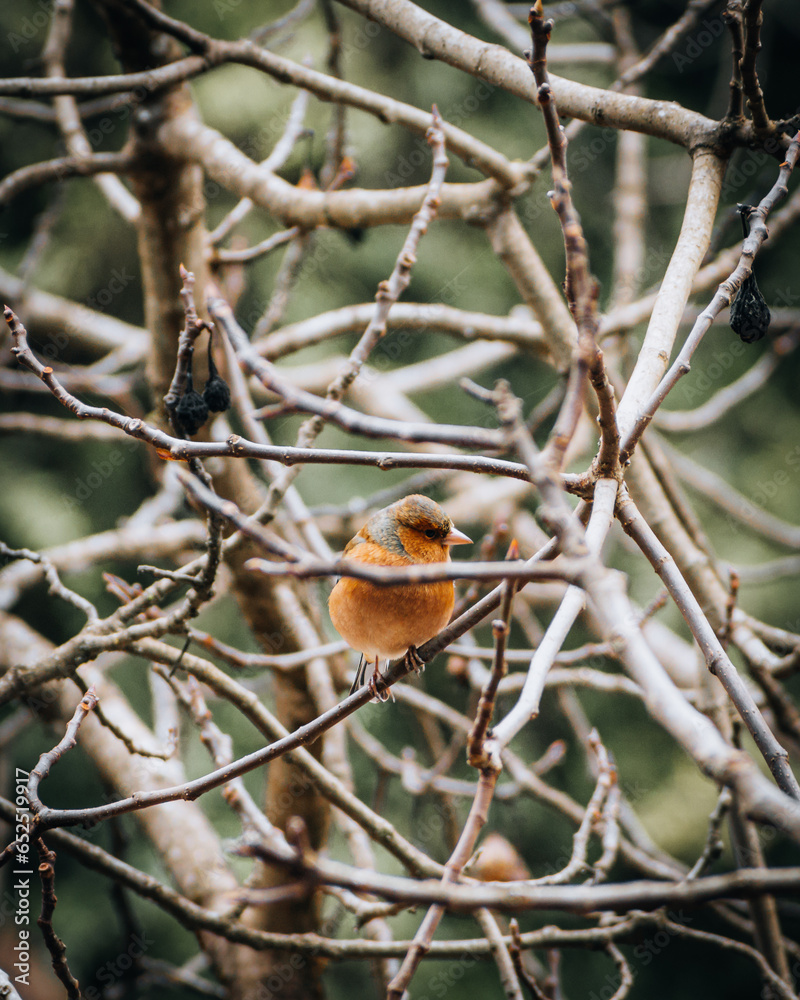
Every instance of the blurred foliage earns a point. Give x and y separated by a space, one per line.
42 502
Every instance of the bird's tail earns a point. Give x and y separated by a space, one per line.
359 678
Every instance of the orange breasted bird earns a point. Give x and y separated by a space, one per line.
385 622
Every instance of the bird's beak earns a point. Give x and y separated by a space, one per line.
457 537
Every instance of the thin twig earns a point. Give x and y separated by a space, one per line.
54 944
716 658
55 586
62 169
280 153
300 401
388 293
732 16
65 744
178 449
580 286
722 298
753 19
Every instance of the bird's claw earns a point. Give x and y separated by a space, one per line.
414 661
379 689
377 686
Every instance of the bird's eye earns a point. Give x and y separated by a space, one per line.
431 533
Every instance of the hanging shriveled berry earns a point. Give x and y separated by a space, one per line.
749 312
216 392
192 409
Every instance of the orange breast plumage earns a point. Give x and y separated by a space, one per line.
384 622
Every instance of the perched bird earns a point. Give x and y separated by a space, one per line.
385 622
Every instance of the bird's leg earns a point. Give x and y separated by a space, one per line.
413 660
380 690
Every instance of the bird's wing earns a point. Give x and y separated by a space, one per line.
353 545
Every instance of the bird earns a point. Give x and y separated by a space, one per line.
386 622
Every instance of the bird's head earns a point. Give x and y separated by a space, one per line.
416 527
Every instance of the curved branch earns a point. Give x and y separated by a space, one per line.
435 39
61 169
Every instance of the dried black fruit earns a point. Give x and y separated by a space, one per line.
749 312
192 409
216 393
